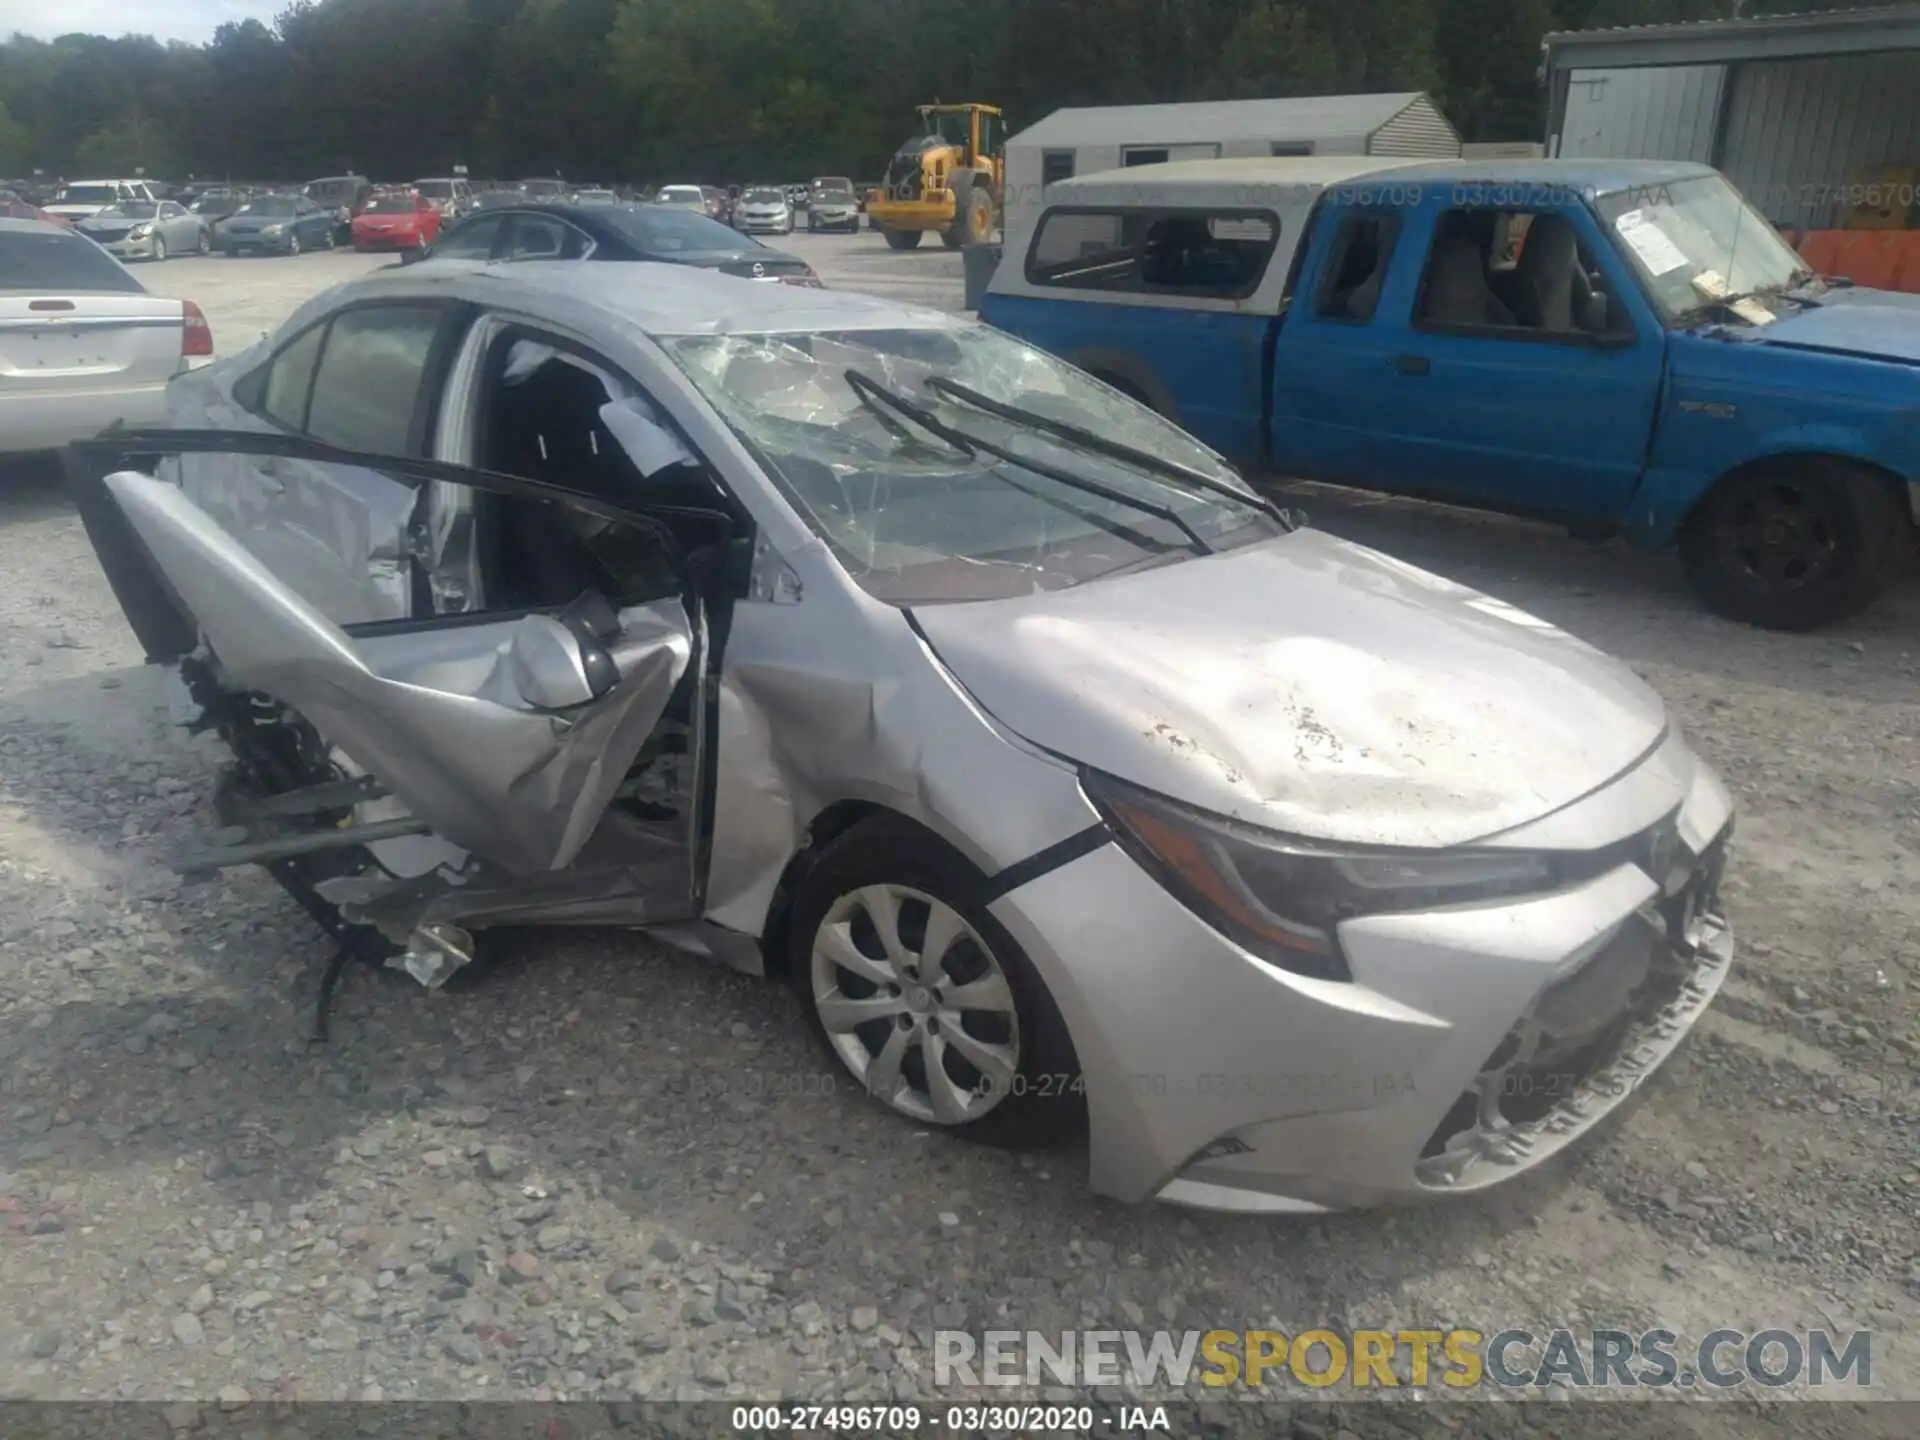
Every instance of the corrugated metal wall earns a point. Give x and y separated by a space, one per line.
1801 132
1663 114
1420 129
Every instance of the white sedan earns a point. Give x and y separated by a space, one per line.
82 344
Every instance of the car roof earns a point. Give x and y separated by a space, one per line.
646 297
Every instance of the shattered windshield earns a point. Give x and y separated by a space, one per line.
1700 246
915 518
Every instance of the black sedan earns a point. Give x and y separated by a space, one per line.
663 233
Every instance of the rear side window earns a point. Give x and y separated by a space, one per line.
1357 265
371 371
471 241
58 263
289 380
1214 254
542 237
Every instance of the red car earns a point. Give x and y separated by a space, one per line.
396 220
12 207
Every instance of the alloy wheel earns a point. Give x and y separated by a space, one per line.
915 1004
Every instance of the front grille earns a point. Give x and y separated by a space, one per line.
110 237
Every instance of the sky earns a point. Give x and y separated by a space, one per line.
193 20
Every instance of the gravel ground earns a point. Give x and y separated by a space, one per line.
600 1169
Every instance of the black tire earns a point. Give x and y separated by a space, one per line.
159 248
1795 544
1044 1103
293 245
205 245
902 239
972 213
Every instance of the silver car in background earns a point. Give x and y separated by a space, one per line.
82 344
1067 781
763 210
148 230
833 210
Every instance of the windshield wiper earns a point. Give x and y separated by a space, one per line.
1100 445
872 390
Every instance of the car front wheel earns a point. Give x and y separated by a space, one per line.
924 998
1795 544
159 248
293 244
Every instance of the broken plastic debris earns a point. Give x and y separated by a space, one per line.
433 953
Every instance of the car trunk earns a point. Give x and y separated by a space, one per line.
57 344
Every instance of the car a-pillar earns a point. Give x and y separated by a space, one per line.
1795 542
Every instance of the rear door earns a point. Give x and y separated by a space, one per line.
74 322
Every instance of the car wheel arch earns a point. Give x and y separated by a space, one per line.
1833 462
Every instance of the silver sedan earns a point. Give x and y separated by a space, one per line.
142 230
1069 782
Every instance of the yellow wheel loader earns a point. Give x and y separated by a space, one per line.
950 179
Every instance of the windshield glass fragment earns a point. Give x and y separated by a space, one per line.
916 518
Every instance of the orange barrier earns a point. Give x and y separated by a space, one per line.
1874 259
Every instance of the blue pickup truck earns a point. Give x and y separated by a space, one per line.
1621 346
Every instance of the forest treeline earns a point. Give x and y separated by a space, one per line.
719 90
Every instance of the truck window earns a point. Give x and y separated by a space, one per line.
1521 271
1357 265
1209 254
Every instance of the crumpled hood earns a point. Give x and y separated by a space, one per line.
1877 324
1309 686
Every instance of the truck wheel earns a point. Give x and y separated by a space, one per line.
972 214
902 239
1794 544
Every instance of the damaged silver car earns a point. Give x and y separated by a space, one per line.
1067 781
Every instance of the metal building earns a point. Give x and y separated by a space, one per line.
1086 140
1815 116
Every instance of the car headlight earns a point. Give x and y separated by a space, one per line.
1282 897
140 232
271 229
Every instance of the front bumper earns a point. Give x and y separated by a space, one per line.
762 224
386 240
831 220
254 244
913 214
1473 1044
130 249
